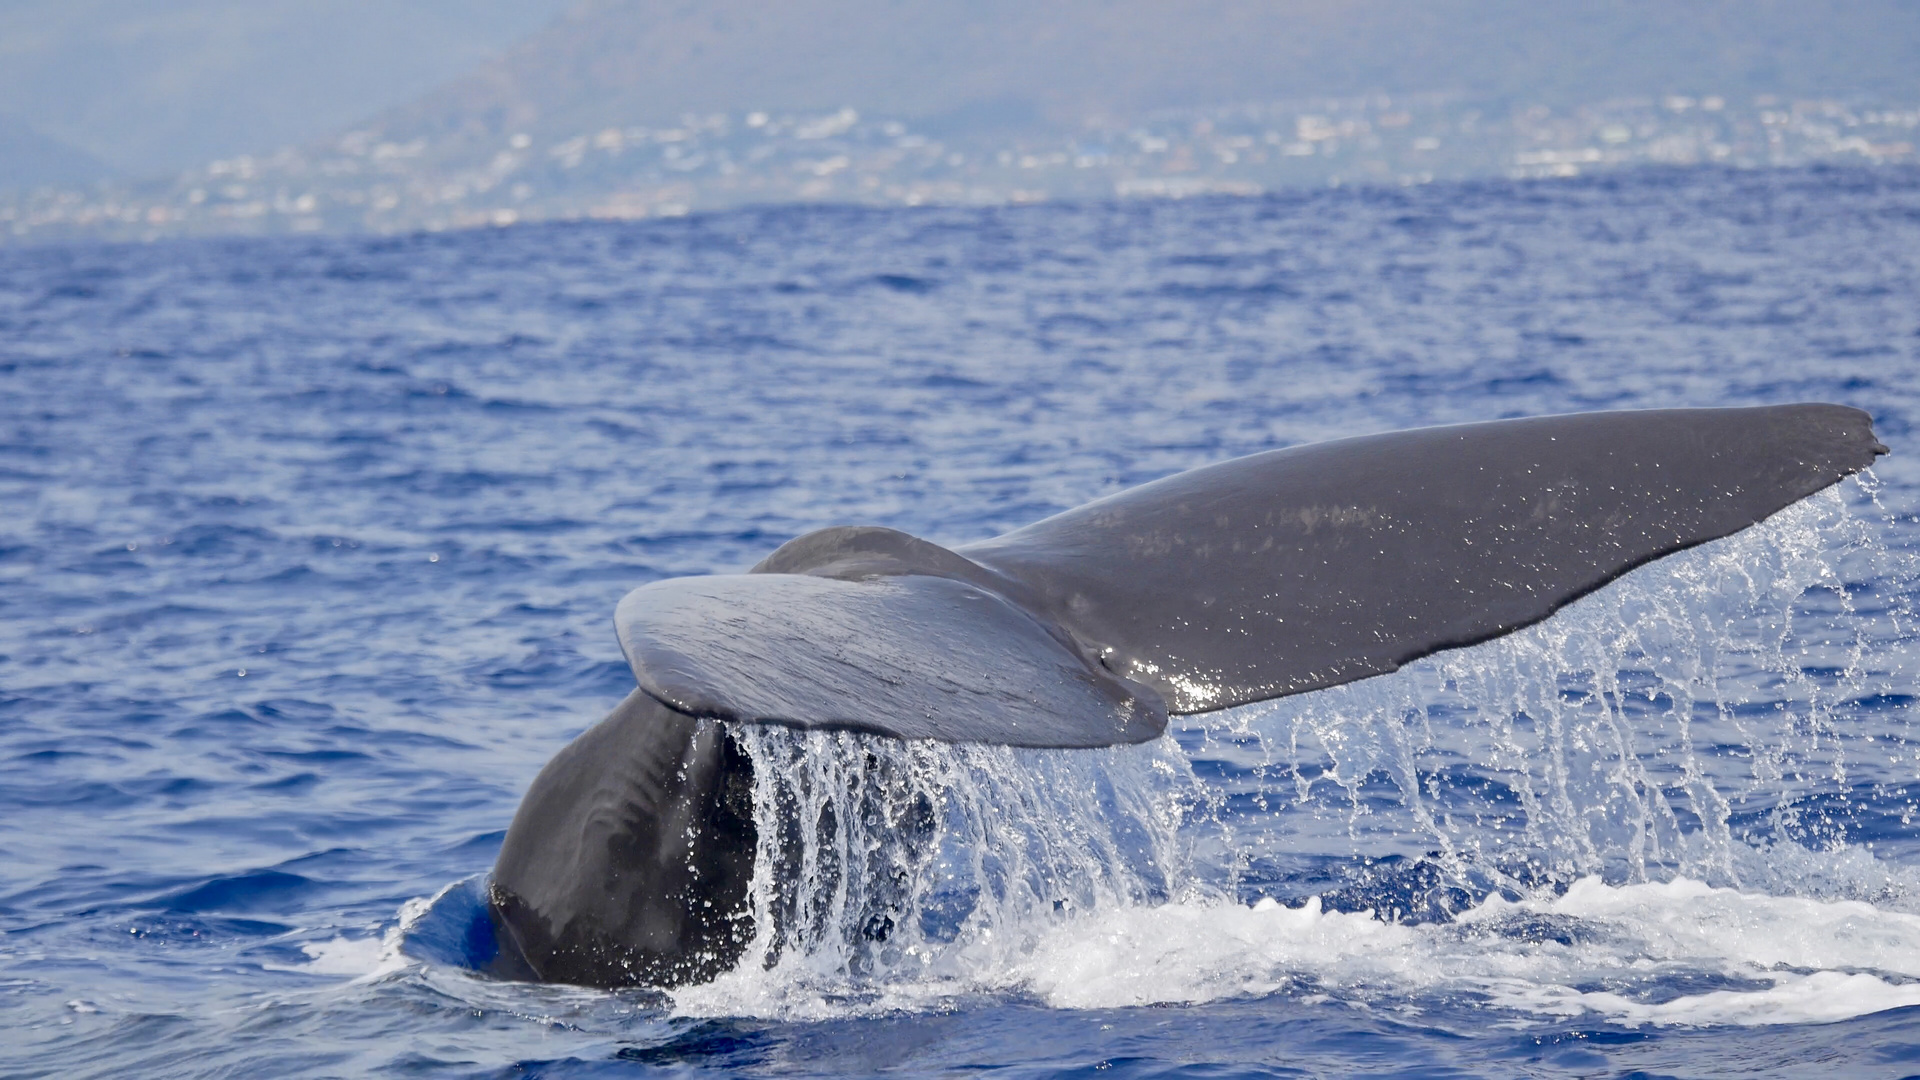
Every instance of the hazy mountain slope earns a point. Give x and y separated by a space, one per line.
152 87
641 61
30 159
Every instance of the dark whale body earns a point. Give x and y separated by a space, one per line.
630 860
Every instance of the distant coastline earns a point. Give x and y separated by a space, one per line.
372 181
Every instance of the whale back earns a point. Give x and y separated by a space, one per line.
629 860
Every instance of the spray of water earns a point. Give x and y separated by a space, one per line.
1706 740
1670 725
888 868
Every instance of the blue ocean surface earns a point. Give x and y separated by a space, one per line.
309 550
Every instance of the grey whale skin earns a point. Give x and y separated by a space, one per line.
629 861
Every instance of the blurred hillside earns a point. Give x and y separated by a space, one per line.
947 65
153 86
31 159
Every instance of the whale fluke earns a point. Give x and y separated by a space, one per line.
1255 578
1268 575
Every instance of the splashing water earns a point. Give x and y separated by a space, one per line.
1663 726
1645 807
892 872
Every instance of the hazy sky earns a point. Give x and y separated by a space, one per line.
155 85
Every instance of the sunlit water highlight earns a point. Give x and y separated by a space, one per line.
308 554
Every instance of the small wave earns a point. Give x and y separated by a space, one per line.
421 933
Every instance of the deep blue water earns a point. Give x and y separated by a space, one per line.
309 551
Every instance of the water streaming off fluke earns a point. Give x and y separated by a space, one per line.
1689 735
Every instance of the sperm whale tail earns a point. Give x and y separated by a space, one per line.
1255 578
1268 575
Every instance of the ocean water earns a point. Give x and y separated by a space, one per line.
309 551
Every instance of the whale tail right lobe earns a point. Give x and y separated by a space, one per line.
1317 565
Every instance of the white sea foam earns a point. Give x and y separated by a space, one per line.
1597 949
1819 998
1814 960
1198 952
